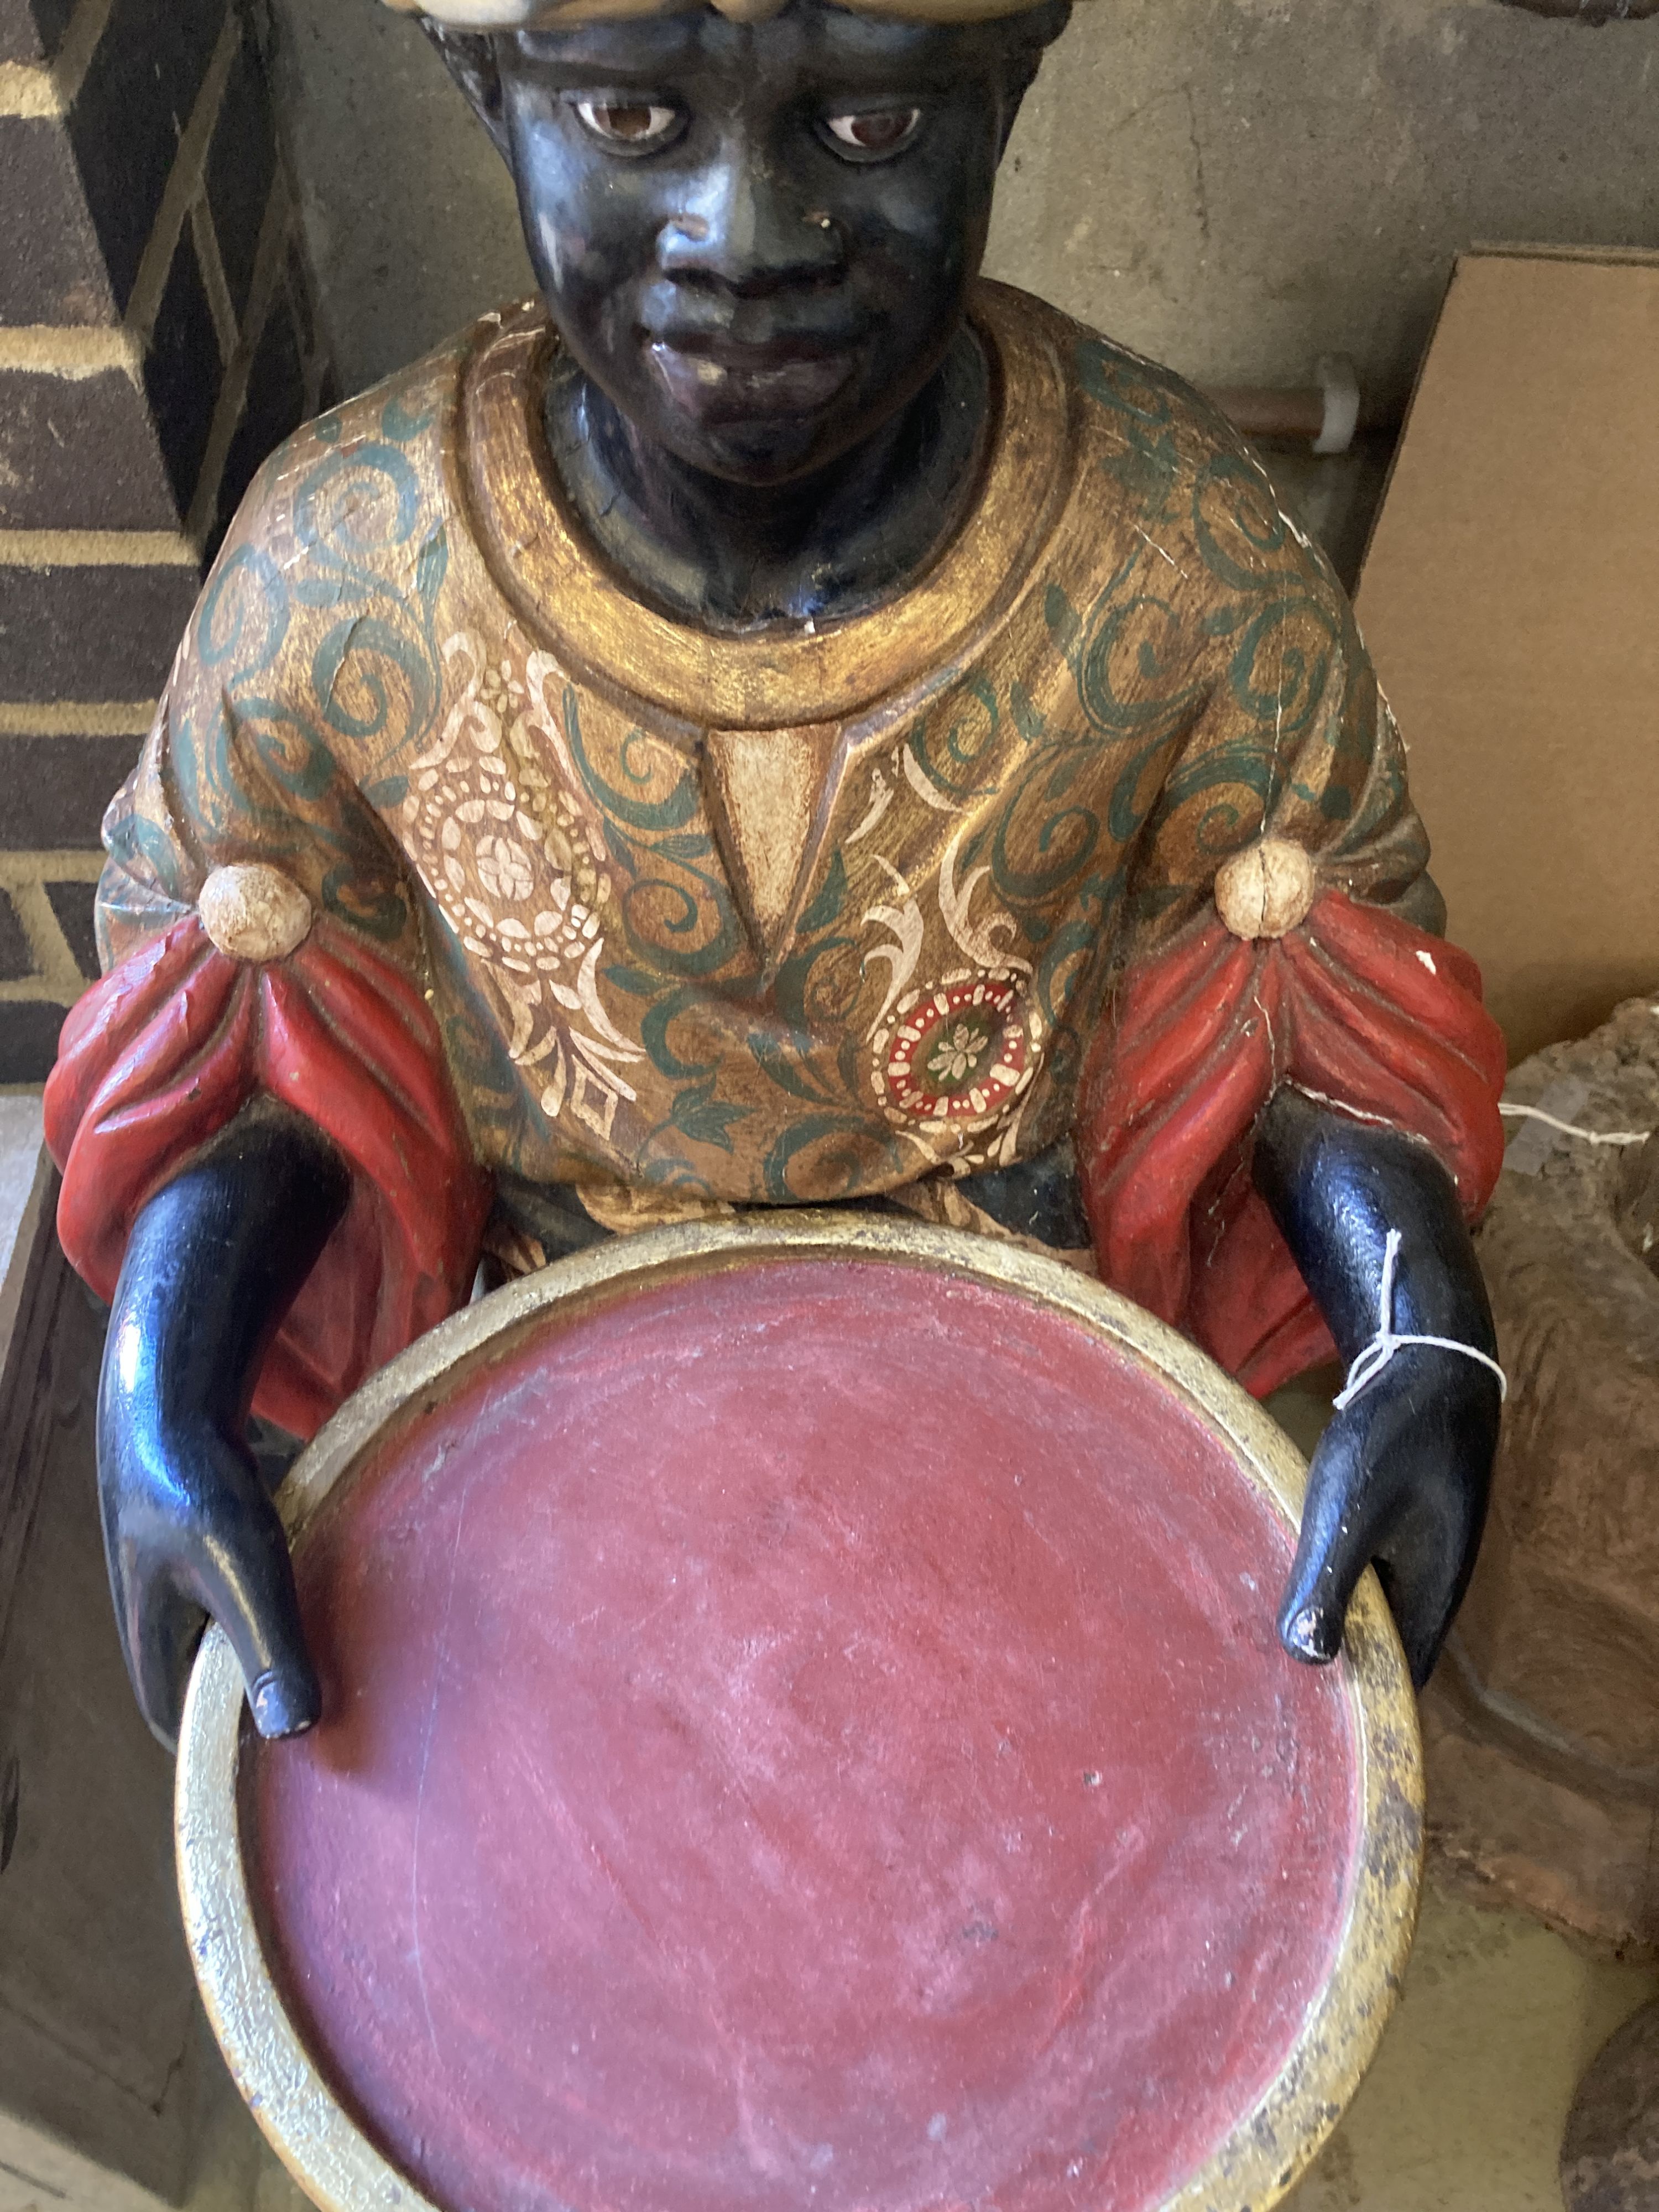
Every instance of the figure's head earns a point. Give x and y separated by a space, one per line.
756 236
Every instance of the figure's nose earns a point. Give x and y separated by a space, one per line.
749 227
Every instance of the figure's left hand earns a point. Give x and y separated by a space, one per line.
1402 1477
1400 1481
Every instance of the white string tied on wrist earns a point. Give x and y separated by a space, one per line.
1513 1112
1380 1352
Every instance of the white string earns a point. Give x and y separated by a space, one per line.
1573 1129
1380 1352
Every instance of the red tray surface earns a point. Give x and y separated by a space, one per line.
810 1736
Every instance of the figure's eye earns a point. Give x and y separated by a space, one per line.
630 126
871 134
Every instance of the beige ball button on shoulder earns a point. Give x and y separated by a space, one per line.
1266 890
254 912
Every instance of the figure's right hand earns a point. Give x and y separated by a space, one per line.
213 1263
191 1534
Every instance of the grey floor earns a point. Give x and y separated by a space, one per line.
1464 2110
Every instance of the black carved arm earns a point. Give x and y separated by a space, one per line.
214 1263
1402 1477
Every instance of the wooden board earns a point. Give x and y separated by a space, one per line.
101 2045
1508 601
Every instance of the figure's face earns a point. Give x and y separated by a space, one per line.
758 239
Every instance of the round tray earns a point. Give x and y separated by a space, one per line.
804 1729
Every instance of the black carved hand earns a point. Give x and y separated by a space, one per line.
214 1262
1399 1481
1402 1477
190 1533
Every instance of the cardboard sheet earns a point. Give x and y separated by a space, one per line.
1511 600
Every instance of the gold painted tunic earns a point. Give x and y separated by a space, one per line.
790 916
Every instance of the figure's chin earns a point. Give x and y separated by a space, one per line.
761 423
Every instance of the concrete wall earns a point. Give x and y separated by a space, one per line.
1233 186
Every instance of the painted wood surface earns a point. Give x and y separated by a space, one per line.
764 1766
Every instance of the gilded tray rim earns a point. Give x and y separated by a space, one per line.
1269 2148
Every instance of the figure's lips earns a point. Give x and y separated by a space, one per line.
719 381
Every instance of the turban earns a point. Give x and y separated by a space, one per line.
550 14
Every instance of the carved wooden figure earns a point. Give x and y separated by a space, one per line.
771 720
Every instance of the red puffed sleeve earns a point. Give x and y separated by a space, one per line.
179 1036
1354 1007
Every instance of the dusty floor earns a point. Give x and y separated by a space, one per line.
1464 2109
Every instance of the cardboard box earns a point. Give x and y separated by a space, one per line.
1510 598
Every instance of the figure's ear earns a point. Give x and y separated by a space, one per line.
469 57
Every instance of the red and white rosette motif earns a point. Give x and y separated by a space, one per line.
957 1056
